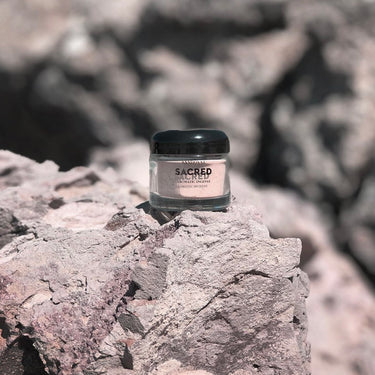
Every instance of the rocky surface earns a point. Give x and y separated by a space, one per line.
357 234
341 303
93 285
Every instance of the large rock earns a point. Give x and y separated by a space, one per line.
341 302
341 343
95 286
357 233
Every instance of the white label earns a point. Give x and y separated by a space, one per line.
191 178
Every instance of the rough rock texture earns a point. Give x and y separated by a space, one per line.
341 303
99 287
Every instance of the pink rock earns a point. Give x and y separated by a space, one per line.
204 293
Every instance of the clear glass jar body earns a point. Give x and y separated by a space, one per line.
189 182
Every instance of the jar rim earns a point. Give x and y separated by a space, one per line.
192 141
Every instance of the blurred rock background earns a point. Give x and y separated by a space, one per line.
291 82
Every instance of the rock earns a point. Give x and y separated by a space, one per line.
357 232
291 82
130 161
10 227
345 343
284 213
21 40
318 128
341 319
341 302
134 296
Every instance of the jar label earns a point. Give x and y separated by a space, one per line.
191 178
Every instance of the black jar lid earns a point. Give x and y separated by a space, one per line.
193 141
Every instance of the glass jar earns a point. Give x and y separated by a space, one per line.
189 170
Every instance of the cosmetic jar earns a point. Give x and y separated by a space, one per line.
189 170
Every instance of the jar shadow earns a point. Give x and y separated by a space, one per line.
162 217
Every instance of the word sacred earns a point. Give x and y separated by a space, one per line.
193 171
